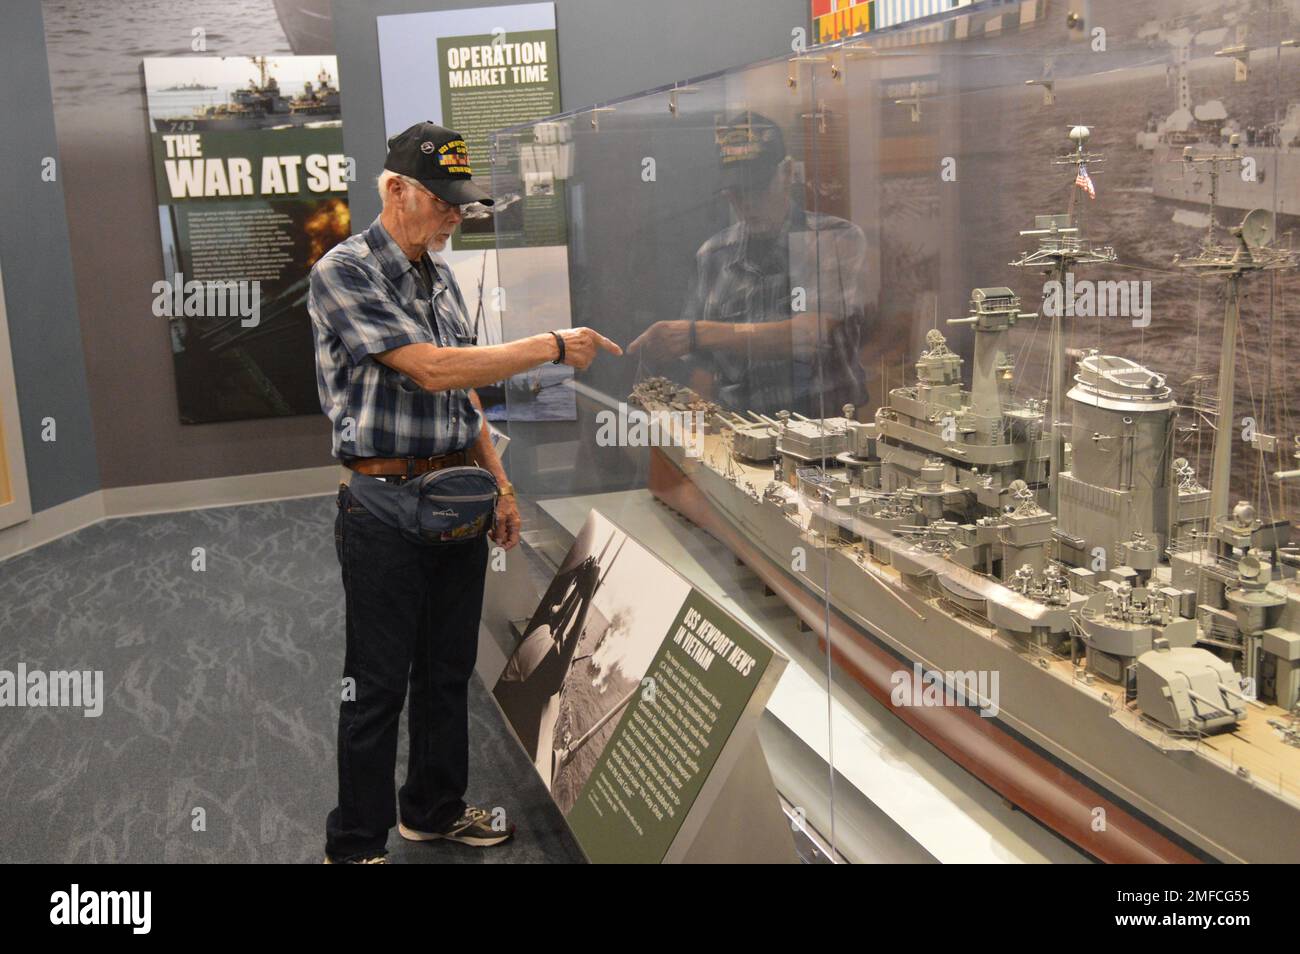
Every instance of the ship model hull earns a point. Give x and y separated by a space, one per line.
1055 752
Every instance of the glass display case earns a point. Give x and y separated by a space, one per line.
957 368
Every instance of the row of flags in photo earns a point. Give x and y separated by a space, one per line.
836 18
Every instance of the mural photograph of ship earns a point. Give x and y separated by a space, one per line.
262 104
1203 155
1145 623
308 25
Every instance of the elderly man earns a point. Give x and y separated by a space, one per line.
396 367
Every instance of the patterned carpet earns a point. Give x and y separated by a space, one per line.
221 693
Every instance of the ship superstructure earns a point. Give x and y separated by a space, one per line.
1161 634
321 100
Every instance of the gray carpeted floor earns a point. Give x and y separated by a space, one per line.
221 692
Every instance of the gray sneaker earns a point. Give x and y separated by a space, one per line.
473 827
368 860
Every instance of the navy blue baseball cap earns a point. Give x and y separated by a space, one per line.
750 149
438 159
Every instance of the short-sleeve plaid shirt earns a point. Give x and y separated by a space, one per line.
365 299
742 278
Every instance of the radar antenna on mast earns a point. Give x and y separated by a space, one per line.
1253 251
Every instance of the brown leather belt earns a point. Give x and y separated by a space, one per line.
406 466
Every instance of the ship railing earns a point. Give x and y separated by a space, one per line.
1223 565
1218 634
1280 783
939 595
1285 785
1184 545
1194 543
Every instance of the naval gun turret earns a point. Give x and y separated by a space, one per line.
754 437
1189 690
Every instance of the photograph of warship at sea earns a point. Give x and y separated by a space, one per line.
224 93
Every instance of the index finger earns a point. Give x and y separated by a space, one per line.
607 344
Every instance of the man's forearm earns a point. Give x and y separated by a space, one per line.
764 339
484 452
447 369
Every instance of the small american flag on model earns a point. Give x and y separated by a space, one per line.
1084 182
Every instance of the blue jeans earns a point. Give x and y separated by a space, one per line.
412 619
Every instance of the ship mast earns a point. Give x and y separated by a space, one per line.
1060 249
1182 86
1252 253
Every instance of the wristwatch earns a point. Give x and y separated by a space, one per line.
506 489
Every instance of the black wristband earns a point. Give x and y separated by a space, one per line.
559 343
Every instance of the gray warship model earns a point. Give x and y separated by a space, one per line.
1146 632
261 104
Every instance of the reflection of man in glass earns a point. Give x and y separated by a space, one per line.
774 320
530 686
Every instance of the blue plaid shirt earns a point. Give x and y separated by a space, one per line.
743 278
365 299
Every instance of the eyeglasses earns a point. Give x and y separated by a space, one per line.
445 206
442 205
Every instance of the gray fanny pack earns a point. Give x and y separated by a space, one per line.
452 505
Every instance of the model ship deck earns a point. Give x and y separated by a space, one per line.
1254 743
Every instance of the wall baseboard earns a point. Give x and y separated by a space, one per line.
46 526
